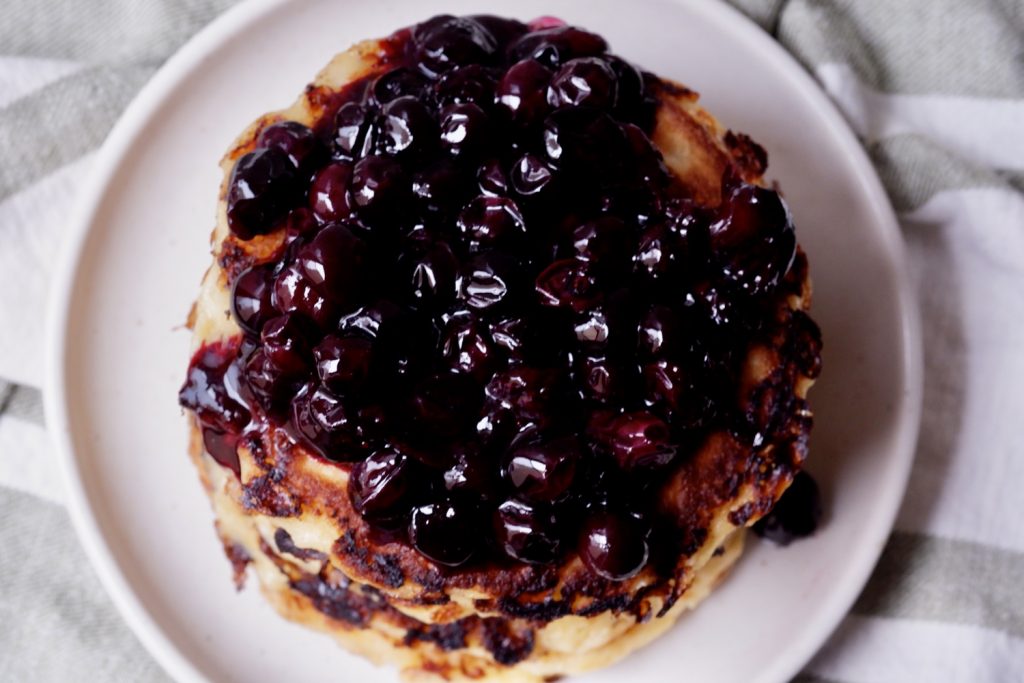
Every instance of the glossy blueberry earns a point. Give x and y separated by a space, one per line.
447 531
568 283
489 280
465 131
640 440
406 127
753 238
795 515
285 341
343 362
380 189
531 177
354 125
333 264
322 422
554 46
429 272
613 545
527 532
585 81
294 292
379 485
399 82
454 42
251 298
467 346
264 185
491 222
543 470
211 390
521 92
329 194
298 143
471 84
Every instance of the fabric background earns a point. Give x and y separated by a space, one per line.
934 89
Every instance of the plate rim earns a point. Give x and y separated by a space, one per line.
118 145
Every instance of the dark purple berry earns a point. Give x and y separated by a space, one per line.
555 46
325 424
472 84
543 470
400 82
454 42
531 177
251 299
640 441
211 390
490 222
354 125
263 187
568 283
333 264
489 280
504 30
293 292
795 515
429 272
343 363
521 92
527 532
379 484
492 179
466 346
585 81
446 532
380 188
465 131
613 545
328 195
297 141
406 127
285 341
753 238
268 384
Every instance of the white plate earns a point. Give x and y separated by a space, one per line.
139 246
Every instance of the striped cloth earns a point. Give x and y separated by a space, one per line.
935 90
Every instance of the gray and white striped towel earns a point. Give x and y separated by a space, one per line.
934 88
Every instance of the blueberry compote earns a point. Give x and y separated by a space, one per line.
493 304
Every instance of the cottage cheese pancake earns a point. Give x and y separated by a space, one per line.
504 345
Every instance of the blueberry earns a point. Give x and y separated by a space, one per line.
329 194
613 545
527 532
465 131
251 299
343 362
521 92
263 187
297 141
585 81
446 532
543 470
379 485
380 189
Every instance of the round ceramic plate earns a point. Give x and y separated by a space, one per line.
140 245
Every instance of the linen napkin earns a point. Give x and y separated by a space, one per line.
934 89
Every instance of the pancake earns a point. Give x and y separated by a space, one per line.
283 500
